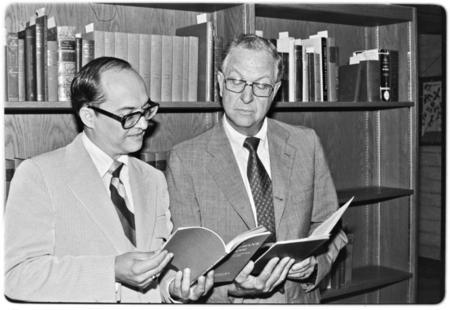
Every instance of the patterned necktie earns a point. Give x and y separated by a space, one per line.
261 187
118 197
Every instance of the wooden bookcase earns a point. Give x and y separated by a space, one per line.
371 147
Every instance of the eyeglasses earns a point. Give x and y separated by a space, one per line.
258 89
128 121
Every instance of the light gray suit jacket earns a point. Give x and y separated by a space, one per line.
206 189
62 232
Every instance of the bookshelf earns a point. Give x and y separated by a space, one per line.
370 146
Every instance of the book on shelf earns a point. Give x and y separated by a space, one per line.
41 56
12 67
87 50
318 45
133 50
120 45
177 68
192 69
360 82
109 43
156 67
218 57
202 249
30 60
388 60
185 70
204 33
66 60
21 64
144 68
286 48
78 51
311 74
166 67
299 249
97 37
52 60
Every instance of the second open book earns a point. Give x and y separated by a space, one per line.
202 249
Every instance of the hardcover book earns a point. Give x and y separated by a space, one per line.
204 33
66 60
12 67
52 60
30 60
41 56
299 249
202 249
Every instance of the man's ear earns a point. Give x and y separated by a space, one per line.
276 87
87 116
220 80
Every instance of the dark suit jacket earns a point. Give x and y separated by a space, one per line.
206 189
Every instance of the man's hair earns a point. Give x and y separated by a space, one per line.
254 42
86 86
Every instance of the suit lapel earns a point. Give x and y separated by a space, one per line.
225 171
88 187
281 160
144 206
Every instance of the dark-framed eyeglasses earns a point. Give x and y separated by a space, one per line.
149 110
258 89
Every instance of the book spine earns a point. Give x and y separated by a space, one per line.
21 65
324 70
109 44
87 51
284 91
305 76
193 69
145 60
218 55
317 78
299 72
52 64
156 66
30 65
177 68
78 52
66 60
209 87
388 75
12 67
133 50
121 45
292 68
41 58
185 70
166 68
99 43
311 76
333 65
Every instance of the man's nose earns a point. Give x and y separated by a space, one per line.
142 123
247 94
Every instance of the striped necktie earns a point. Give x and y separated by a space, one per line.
261 187
119 198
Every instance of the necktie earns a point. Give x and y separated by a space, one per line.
118 197
261 187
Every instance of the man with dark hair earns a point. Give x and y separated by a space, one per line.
85 223
250 170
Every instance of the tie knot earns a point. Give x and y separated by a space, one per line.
251 143
115 169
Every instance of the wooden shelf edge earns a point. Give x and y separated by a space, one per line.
365 279
371 194
64 107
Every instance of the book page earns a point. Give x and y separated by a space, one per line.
326 226
260 230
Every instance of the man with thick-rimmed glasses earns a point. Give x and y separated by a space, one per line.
85 223
251 170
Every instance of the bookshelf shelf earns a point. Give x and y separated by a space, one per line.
365 279
371 194
64 106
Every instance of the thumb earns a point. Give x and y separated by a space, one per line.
245 273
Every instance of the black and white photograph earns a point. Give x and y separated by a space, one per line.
217 152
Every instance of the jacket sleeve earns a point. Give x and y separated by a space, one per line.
32 270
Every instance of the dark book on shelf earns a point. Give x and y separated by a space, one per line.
299 72
12 67
204 33
299 249
41 56
30 60
389 75
311 75
87 50
21 65
360 82
284 88
78 51
202 249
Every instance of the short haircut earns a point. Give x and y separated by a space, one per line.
254 42
86 86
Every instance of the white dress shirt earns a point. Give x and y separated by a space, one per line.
241 154
103 162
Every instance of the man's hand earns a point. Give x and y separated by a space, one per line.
302 270
138 269
180 287
272 275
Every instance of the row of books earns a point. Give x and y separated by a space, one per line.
371 75
310 67
43 58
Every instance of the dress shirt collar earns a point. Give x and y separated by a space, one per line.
102 161
236 138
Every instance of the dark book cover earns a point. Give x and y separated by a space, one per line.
324 66
41 58
284 88
311 76
299 72
52 61
204 33
21 65
30 61
370 81
389 75
78 52
349 83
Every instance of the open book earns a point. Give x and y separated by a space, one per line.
300 249
202 249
